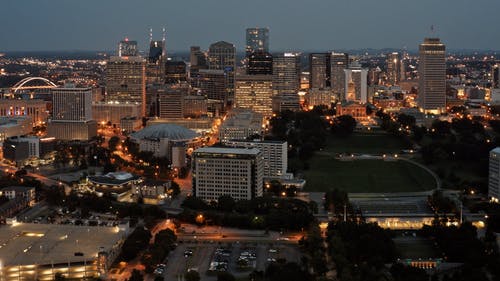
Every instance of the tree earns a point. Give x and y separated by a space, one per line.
136 276
406 120
225 276
113 143
176 189
192 275
343 125
226 203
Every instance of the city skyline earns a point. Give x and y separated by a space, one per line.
311 25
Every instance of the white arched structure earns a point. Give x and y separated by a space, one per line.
21 84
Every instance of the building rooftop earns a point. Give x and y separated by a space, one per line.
496 150
243 118
17 188
165 131
226 150
116 178
29 244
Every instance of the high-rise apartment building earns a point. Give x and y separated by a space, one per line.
393 63
260 63
71 104
339 62
126 80
257 39
237 172
356 83
432 73
286 73
494 175
319 70
254 92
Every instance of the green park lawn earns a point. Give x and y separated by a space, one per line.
326 173
365 142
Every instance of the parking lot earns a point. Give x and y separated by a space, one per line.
238 258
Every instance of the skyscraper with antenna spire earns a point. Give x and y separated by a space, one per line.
155 73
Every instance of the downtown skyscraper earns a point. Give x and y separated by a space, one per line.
126 80
222 56
432 72
257 39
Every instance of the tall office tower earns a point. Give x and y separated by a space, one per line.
393 68
257 40
494 175
171 101
339 62
212 84
286 73
260 63
72 114
126 80
198 60
127 48
175 72
319 70
495 76
432 72
195 106
254 92
356 83
222 56
237 172
155 68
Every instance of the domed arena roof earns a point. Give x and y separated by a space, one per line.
165 131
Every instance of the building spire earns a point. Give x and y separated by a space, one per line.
164 38
150 35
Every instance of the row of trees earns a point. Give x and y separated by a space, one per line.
258 213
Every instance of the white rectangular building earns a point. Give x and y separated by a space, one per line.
275 155
241 124
494 175
237 172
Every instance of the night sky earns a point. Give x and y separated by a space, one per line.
44 25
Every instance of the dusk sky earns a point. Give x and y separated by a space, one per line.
34 25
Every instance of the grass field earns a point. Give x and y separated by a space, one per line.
369 142
415 248
366 176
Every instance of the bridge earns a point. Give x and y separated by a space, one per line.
24 84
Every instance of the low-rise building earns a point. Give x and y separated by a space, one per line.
15 192
152 192
40 251
114 112
355 109
241 124
35 109
15 126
